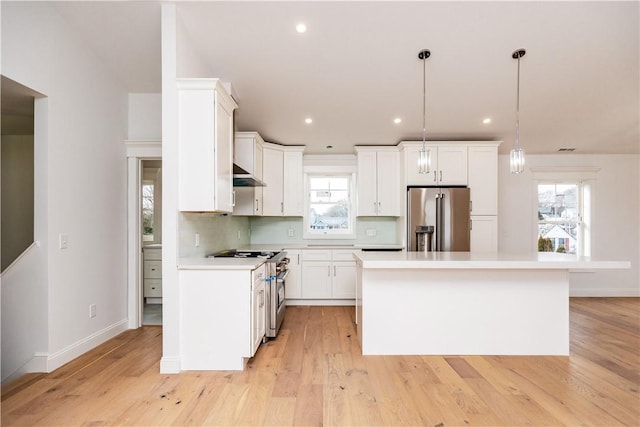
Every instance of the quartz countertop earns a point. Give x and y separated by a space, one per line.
285 246
202 263
470 260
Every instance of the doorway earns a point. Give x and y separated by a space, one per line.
151 220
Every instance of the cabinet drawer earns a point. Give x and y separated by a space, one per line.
153 288
153 269
343 254
153 254
316 255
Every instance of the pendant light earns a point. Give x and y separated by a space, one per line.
516 159
424 158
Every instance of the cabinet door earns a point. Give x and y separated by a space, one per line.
272 173
367 188
344 279
388 179
292 198
317 279
258 312
484 233
452 165
411 155
483 180
293 285
224 156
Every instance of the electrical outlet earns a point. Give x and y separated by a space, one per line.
92 311
63 241
239 235
371 232
290 232
197 239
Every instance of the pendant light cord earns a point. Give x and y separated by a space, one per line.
518 106
424 101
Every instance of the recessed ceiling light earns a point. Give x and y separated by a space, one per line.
329 146
308 120
301 28
397 120
486 121
566 149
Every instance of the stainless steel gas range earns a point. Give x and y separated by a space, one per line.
275 280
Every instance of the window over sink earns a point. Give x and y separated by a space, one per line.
329 209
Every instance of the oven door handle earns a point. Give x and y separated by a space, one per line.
281 276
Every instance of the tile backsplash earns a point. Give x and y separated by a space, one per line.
216 232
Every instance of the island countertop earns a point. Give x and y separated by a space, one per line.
471 260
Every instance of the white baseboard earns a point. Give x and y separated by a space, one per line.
321 302
170 365
605 292
67 354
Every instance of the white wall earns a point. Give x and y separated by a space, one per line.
616 217
85 182
145 116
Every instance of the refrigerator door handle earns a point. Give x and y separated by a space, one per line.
439 221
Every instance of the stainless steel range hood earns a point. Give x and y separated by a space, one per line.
242 178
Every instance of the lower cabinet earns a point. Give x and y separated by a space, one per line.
328 274
293 286
152 272
484 233
258 309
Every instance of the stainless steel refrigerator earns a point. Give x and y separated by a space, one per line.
438 219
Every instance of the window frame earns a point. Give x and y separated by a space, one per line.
349 233
585 179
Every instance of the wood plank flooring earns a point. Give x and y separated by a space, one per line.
313 374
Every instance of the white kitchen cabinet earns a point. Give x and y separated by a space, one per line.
483 179
282 174
247 154
293 286
205 143
328 274
448 164
293 185
378 178
484 233
258 308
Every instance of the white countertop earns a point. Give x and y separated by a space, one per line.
285 246
201 263
469 260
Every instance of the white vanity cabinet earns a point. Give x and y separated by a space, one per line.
283 176
448 164
247 154
328 274
205 146
152 273
378 179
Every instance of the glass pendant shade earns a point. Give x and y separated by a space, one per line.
424 161
516 160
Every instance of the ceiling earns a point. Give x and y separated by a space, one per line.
356 68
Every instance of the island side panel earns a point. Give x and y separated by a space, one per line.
464 312
215 321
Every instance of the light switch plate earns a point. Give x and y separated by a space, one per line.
371 232
63 241
290 232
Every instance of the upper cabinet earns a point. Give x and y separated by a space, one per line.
247 154
205 146
378 181
448 164
483 179
283 176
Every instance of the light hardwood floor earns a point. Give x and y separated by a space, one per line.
314 374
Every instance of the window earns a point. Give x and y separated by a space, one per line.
563 217
147 211
329 210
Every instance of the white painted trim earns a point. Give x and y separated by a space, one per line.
134 250
341 302
77 349
605 292
170 365
143 148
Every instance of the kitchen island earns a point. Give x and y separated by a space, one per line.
462 303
